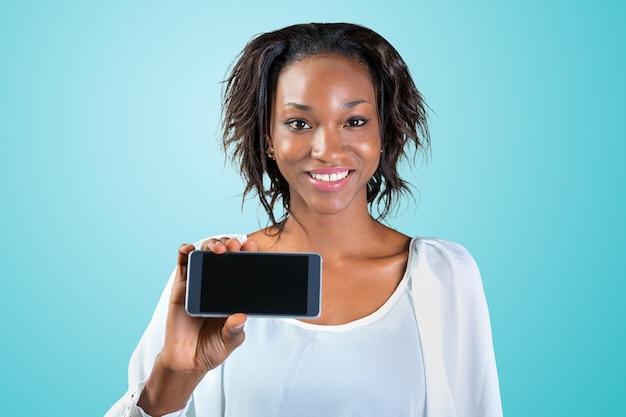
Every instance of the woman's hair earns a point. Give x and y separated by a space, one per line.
248 94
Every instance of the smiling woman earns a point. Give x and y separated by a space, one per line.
325 111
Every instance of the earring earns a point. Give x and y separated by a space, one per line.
270 153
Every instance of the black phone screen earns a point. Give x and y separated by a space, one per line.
263 283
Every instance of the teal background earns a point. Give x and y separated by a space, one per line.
108 161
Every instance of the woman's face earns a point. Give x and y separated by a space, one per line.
325 132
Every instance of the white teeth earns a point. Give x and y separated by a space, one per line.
335 176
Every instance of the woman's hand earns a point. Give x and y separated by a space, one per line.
199 344
193 345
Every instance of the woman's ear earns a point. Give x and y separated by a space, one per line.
270 149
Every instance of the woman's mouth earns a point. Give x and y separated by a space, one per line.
330 177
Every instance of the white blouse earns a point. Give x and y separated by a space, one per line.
370 367
444 365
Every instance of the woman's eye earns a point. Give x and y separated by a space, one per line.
298 124
356 122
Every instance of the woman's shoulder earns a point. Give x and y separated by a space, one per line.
437 246
448 261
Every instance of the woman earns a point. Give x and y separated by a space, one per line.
326 111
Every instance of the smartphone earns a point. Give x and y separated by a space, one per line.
256 283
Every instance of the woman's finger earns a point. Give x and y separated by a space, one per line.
250 245
183 254
226 244
233 245
215 245
232 332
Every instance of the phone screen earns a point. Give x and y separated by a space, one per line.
257 283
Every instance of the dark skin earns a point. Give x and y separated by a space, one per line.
325 133
356 282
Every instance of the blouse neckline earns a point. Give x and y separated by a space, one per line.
370 318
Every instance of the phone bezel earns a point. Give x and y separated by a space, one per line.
195 267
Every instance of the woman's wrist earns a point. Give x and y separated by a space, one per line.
167 391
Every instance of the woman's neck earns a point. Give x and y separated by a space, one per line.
335 236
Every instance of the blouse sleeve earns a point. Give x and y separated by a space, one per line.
454 325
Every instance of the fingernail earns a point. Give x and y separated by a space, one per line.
238 329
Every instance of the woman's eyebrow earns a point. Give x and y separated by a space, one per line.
354 103
299 106
304 107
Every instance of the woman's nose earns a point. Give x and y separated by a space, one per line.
327 144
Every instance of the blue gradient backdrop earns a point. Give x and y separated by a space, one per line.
108 161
